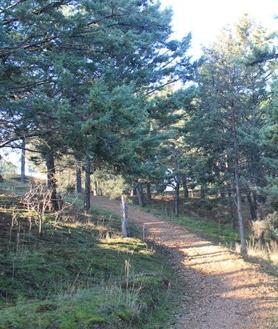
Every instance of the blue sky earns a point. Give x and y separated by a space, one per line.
205 18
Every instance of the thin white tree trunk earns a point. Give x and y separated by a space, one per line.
125 217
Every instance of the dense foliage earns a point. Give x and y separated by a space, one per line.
90 83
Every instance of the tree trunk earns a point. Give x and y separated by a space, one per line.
222 192
243 248
132 192
203 191
232 213
51 180
95 187
185 189
255 204
140 195
87 194
78 182
149 194
23 161
125 217
252 209
177 198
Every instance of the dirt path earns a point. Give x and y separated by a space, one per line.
224 291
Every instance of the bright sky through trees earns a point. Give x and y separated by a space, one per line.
205 18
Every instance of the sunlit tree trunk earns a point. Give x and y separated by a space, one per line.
124 217
87 194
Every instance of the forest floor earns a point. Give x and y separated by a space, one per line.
220 290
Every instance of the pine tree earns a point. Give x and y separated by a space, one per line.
225 128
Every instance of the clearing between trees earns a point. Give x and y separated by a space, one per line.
220 289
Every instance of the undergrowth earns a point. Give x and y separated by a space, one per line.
80 273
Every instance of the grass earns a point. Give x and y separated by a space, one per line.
80 273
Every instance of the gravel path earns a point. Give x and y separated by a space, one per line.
220 289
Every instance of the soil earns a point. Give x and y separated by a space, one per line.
220 290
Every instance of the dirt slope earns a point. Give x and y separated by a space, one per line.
224 291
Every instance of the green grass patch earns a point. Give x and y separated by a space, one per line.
80 273
218 232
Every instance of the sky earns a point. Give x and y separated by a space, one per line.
205 18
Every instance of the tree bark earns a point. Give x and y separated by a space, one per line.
125 217
243 247
87 194
232 212
23 161
252 209
149 194
132 192
203 191
140 195
51 180
185 189
177 197
95 187
78 186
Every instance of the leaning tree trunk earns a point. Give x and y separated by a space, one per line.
23 161
78 179
87 194
51 180
125 217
